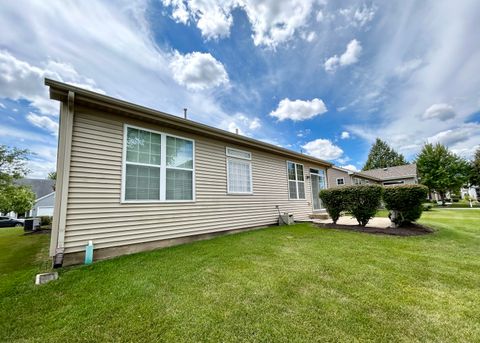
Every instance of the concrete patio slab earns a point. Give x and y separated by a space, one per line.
347 220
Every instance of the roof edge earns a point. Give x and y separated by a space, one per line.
351 172
59 91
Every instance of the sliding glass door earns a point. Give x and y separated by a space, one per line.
317 177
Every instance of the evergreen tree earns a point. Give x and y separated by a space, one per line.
382 156
441 170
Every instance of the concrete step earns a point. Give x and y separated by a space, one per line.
323 215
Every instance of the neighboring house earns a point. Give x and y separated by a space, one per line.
473 192
400 175
338 177
44 192
131 178
43 206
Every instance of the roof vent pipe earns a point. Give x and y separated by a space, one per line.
185 113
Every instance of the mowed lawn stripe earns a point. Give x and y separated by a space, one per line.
296 283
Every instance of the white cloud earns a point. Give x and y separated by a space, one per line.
441 70
441 112
358 17
198 71
323 149
303 133
408 67
122 57
298 110
234 128
309 37
22 80
245 124
273 21
345 135
43 122
255 124
320 16
2 105
215 24
456 135
331 63
42 161
350 167
213 18
350 56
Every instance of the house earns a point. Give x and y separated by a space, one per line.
43 206
343 177
44 194
473 192
130 178
399 175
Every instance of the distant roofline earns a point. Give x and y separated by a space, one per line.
396 177
45 196
382 169
59 91
360 174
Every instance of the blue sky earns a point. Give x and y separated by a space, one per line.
322 77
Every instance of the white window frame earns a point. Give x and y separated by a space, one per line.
241 159
343 181
228 153
163 167
296 181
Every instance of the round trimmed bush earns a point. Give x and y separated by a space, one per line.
334 202
405 203
361 201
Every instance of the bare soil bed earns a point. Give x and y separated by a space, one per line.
411 230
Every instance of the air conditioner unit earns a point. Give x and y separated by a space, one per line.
286 219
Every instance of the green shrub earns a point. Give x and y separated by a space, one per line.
363 201
405 203
333 201
427 206
45 220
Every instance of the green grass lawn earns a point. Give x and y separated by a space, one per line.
296 283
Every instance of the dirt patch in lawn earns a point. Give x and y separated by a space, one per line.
411 230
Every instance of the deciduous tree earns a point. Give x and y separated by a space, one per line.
441 170
474 178
12 164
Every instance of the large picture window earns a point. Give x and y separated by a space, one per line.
239 172
157 167
296 181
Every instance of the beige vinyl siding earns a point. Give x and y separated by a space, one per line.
95 211
334 174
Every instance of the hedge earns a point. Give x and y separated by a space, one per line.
405 203
361 201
